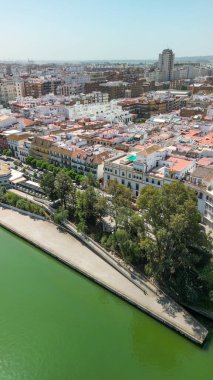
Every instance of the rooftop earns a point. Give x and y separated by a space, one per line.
4 169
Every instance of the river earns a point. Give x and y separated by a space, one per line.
57 325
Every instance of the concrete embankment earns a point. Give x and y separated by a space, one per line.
78 256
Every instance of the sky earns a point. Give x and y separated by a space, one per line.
104 30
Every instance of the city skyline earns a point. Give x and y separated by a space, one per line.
122 31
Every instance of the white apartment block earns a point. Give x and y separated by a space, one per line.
109 112
151 166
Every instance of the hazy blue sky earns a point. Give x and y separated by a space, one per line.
107 29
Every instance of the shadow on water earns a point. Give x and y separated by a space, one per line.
208 324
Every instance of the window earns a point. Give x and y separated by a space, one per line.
130 175
153 180
123 174
137 186
158 183
136 193
200 196
108 177
129 185
123 182
147 179
116 171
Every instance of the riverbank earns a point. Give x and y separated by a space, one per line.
72 252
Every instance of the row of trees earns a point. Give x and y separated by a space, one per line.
46 166
162 236
86 207
165 238
21 203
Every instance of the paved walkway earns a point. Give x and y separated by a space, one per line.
68 249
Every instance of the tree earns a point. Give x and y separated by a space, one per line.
63 186
86 210
71 200
120 197
177 249
129 249
60 215
7 152
2 191
48 185
89 180
91 207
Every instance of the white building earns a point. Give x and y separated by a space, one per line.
7 121
150 166
16 144
109 112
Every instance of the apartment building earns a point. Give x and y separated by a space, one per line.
82 161
39 87
150 166
40 147
16 143
201 180
9 90
143 107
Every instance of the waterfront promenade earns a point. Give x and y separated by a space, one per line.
74 253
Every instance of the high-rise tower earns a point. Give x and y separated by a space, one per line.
166 63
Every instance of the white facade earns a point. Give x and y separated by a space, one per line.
146 168
23 150
110 112
7 121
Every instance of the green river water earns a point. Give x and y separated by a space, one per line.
57 325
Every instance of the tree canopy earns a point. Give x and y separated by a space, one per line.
176 248
64 187
120 202
47 184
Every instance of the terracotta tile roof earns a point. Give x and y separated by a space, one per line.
205 161
27 122
179 164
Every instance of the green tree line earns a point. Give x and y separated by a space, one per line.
162 236
46 166
21 203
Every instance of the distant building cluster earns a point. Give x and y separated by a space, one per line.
136 124
167 71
